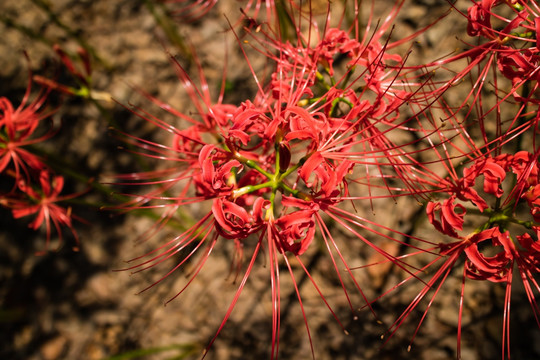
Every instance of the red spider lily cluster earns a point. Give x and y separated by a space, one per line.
491 209
276 167
30 187
490 189
321 132
340 119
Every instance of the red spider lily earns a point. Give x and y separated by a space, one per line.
274 168
36 191
478 266
184 152
371 67
335 115
498 187
506 48
295 231
494 268
532 196
42 202
492 251
450 219
234 222
17 130
215 180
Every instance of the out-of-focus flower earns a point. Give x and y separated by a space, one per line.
18 128
42 201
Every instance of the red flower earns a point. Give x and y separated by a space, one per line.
479 16
529 257
295 231
234 222
493 268
492 171
42 202
533 199
17 130
216 176
450 220
519 65
275 165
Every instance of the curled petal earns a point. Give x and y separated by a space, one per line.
493 268
479 16
296 231
493 177
217 176
234 222
308 171
450 219
533 199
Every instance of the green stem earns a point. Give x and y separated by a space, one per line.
26 31
55 19
251 163
285 24
169 29
295 167
251 188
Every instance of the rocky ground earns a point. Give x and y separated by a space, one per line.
74 305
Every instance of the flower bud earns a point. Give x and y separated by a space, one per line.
284 156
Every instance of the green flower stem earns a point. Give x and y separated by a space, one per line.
295 192
251 163
526 224
321 81
271 210
251 188
335 103
501 218
285 23
525 35
72 33
26 31
161 18
275 181
67 170
295 167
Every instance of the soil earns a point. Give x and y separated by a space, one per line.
75 305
